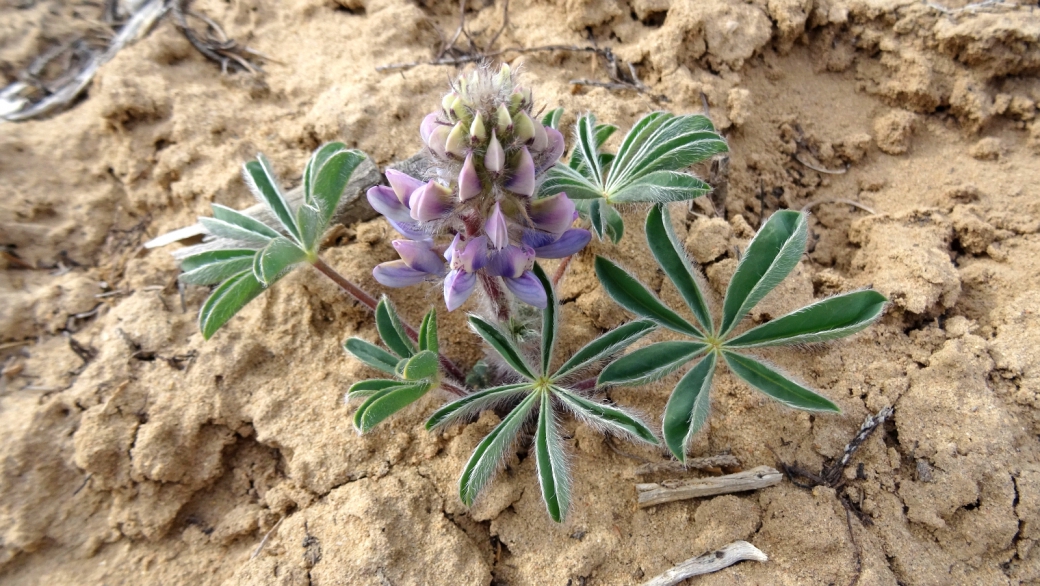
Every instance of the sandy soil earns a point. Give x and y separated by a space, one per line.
164 459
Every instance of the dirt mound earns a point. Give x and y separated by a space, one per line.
134 452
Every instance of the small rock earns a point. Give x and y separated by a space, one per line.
987 149
892 131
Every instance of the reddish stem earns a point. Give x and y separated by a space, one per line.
499 303
370 302
561 270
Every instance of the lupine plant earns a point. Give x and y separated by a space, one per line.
486 156
416 370
249 255
770 257
649 166
543 391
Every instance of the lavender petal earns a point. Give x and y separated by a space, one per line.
469 181
397 273
458 286
420 256
553 214
496 228
384 200
528 289
495 158
432 202
404 185
521 182
570 243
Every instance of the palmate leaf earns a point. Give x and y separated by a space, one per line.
629 293
471 405
606 417
550 318
552 462
650 363
488 455
227 300
775 384
688 406
671 255
772 254
570 181
665 142
215 266
502 344
386 402
827 319
391 330
372 355
260 179
604 346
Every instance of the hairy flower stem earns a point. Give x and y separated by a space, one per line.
561 270
499 303
370 302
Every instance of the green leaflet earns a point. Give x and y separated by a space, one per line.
369 387
237 218
489 453
570 181
226 300
687 408
502 344
312 227
471 405
428 332
633 296
604 346
222 229
661 187
261 181
275 259
391 330
314 164
671 255
775 384
386 402
331 179
550 318
215 266
586 146
650 363
421 366
827 319
552 464
607 416
772 254
372 355
552 118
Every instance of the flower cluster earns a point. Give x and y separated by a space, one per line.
486 156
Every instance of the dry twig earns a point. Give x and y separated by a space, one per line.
713 561
651 494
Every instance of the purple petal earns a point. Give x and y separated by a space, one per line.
521 182
432 202
528 289
474 255
496 228
536 238
571 242
469 181
429 124
458 140
420 256
553 214
404 185
553 151
495 158
449 253
384 200
409 229
397 274
458 286
438 140
511 261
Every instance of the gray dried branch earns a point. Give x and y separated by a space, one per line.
651 494
713 561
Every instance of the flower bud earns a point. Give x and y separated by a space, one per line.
404 185
496 229
429 124
504 122
495 158
438 139
521 182
553 214
541 139
458 140
523 127
447 101
432 202
477 133
516 101
458 107
504 76
469 181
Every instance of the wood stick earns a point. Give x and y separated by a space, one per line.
651 494
713 561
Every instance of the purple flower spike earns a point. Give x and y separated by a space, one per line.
429 124
384 200
420 256
458 286
571 242
528 289
553 150
510 262
495 158
469 181
553 214
397 273
432 202
496 228
522 180
404 185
